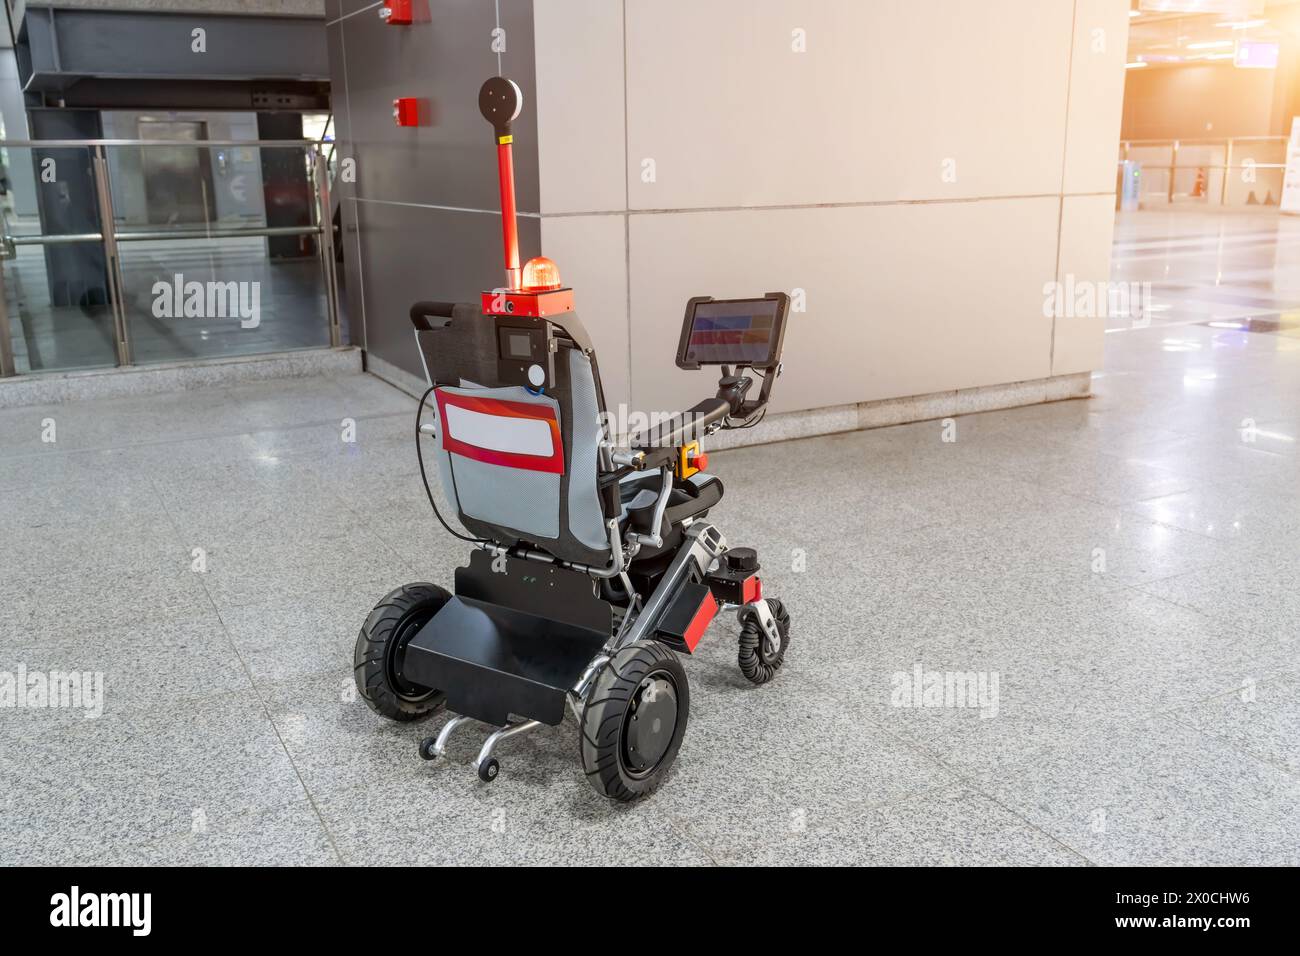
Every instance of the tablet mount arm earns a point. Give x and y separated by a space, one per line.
734 389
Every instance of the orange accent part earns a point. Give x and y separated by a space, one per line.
541 275
690 460
699 623
521 302
752 590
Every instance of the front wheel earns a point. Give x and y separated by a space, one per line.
380 654
634 721
759 660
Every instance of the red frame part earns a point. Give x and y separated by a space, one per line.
552 464
509 224
534 304
707 610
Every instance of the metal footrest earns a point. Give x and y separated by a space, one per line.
485 763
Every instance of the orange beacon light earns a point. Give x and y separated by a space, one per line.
541 275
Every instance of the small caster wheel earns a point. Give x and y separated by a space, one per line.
759 659
427 748
488 770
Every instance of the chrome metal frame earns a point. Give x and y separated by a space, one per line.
70 143
654 539
504 733
767 621
444 735
113 264
704 545
321 177
619 558
6 343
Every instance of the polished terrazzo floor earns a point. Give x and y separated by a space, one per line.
1126 566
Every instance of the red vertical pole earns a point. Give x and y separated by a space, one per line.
509 223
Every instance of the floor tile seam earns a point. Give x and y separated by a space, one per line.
329 835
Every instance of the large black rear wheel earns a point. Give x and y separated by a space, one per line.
380 654
634 721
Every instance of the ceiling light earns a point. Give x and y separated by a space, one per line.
1209 45
1135 65
1242 24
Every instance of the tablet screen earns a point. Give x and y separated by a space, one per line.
738 332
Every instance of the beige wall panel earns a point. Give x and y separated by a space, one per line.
885 94
591 255
1096 95
580 104
1087 225
901 299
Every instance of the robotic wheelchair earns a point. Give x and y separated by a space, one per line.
595 565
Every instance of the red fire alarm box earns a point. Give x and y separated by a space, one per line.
396 13
406 111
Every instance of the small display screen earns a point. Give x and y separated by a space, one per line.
518 345
732 333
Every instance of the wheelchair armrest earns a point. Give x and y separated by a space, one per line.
683 427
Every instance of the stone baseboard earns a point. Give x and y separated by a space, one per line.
49 388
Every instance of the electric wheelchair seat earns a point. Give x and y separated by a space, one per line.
595 567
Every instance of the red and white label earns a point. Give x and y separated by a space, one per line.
500 432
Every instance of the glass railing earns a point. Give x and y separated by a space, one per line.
1235 172
213 249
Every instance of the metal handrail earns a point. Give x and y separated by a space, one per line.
63 239
68 238
1229 144
70 143
1211 166
1204 141
147 235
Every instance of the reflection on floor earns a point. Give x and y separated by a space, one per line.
1223 268
1124 567
292 307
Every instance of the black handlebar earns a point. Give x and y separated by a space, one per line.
683 427
421 312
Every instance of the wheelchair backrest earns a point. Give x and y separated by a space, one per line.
520 466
